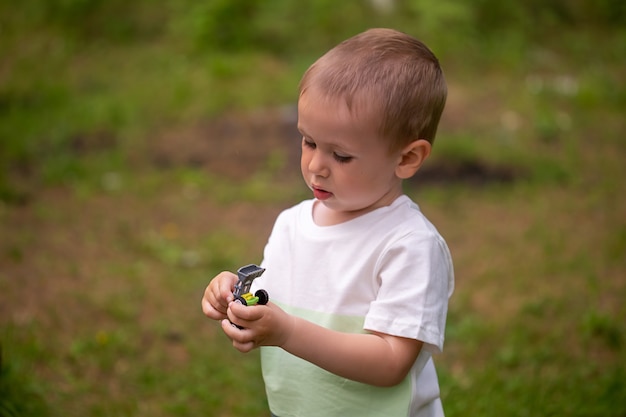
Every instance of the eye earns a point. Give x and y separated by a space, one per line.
341 158
308 143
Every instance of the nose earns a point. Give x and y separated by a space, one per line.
317 164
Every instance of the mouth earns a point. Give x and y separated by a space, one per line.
320 193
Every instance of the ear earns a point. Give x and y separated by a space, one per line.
412 157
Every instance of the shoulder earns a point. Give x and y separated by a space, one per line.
409 231
293 213
291 218
404 217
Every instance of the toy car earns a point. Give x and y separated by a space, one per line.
246 275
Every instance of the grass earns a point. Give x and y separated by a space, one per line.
540 318
105 252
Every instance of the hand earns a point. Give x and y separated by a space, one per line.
218 294
262 325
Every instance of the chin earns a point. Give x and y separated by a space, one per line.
338 207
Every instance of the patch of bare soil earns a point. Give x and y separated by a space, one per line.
235 145
467 172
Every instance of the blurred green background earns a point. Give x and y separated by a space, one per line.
146 146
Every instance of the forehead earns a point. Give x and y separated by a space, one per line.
317 108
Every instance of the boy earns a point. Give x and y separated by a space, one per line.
359 279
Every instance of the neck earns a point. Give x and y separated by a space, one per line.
324 216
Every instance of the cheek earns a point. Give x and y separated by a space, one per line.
304 162
370 177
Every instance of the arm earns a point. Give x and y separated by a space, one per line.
372 358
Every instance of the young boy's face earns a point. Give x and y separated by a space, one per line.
345 161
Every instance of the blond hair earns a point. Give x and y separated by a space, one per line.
386 73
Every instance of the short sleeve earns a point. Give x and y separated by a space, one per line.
416 281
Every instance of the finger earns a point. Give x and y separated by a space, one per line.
240 337
211 312
212 304
244 347
219 292
234 318
226 286
241 312
244 316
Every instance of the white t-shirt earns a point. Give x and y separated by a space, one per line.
388 271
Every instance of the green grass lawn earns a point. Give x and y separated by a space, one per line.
119 201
